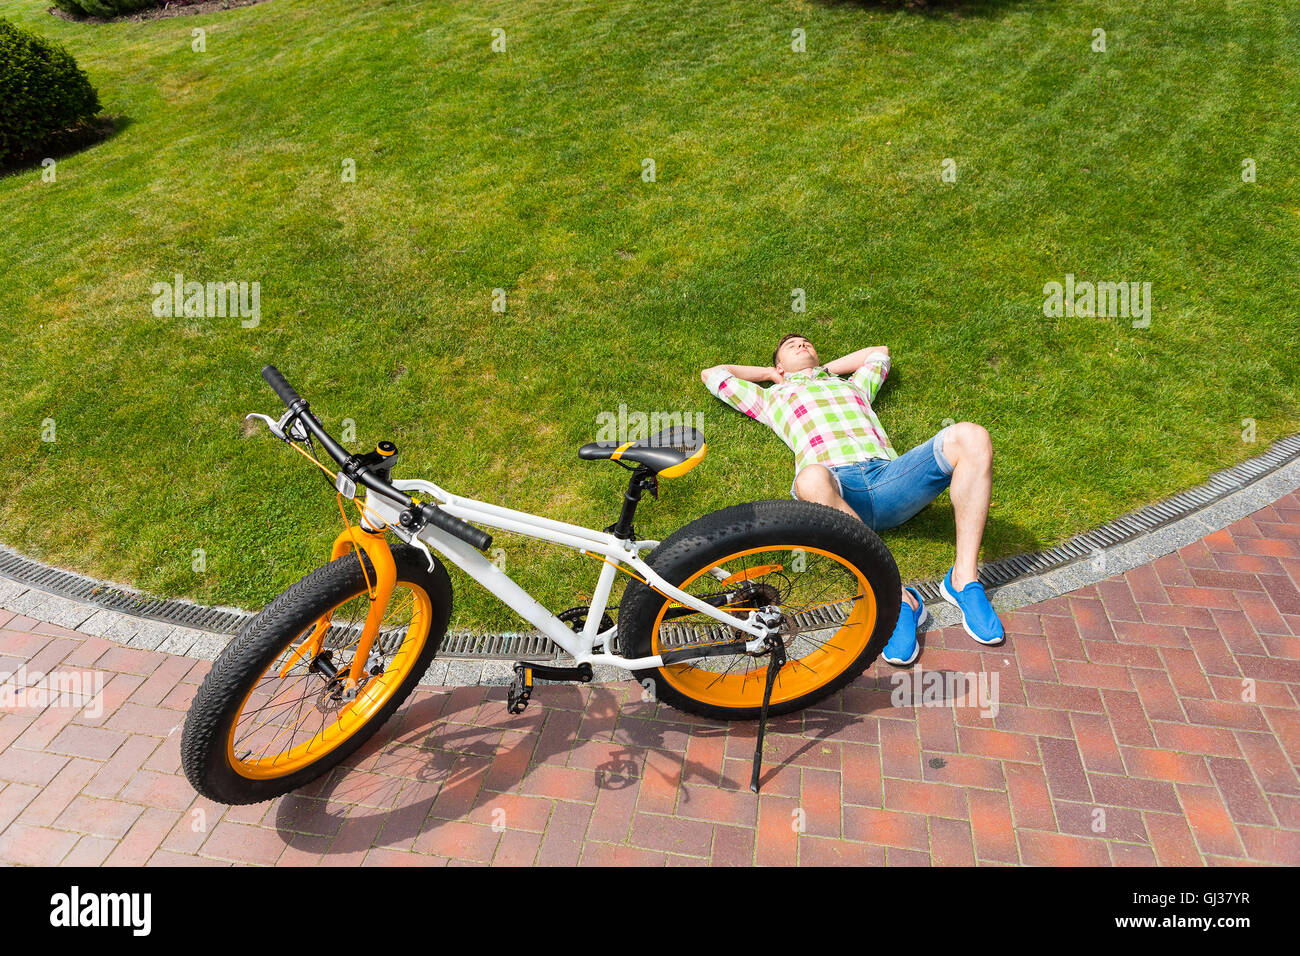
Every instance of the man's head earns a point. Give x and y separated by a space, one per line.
794 353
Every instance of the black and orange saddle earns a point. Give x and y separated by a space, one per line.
669 453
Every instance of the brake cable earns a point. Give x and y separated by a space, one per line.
363 511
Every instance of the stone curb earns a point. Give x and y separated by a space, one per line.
151 635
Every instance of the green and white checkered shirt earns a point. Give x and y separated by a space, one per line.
825 419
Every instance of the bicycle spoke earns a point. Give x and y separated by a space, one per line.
289 720
825 607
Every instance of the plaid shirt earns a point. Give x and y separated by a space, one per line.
825 419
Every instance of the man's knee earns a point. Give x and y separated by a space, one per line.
815 483
969 441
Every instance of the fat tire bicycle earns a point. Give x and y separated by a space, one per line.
754 610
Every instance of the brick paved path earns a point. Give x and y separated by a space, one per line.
1151 718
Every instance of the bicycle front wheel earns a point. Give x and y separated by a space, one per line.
832 579
269 719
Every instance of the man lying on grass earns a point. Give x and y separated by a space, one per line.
843 459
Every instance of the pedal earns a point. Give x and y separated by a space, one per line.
521 688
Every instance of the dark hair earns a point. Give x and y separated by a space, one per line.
786 338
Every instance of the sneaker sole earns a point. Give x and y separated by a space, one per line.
951 599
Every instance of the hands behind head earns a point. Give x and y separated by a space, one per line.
775 376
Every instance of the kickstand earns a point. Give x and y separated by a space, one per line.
777 649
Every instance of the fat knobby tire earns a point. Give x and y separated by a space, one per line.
204 754
755 525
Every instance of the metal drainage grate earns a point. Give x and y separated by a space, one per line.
814 621
1130 526
466 645
530 646
533 646
116 598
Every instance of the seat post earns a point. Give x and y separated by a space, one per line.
641 479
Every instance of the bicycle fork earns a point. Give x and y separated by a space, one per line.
380 591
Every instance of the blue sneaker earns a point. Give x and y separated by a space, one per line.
977 614
902 648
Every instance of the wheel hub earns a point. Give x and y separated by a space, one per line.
770 617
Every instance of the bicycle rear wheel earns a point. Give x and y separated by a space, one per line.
268 720
831 578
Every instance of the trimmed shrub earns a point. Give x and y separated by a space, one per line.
43 93
105 8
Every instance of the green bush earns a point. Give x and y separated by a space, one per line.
43 93
105 8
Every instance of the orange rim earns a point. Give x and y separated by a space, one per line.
296 718
825 631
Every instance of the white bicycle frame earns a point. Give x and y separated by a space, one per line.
616 551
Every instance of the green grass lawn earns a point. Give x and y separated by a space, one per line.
522 171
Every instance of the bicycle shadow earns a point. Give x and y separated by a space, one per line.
439 750
438 754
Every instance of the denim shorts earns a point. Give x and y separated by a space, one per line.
885 492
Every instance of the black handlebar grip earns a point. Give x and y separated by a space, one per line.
449 523
280 386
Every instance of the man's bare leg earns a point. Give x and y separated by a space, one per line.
816 483
969 450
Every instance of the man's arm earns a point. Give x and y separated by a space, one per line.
866 368
746 373
738 386
855 360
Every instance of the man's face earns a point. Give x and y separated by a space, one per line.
796 355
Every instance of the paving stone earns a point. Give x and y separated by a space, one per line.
1122 737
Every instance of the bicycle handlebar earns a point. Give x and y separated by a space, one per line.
278 385
428 511
474 537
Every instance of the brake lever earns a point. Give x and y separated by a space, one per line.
419 545
297 431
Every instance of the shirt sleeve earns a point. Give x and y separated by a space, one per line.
741 395
871 376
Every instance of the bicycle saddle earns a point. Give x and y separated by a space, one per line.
669 453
